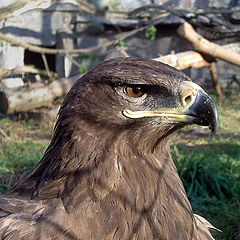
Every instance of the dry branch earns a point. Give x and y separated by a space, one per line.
20 6
30 47
3 135
8 11
47 67
214 76
204 46
26 99
184 60
86 7
192 59
23 70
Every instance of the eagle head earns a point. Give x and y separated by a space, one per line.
139 95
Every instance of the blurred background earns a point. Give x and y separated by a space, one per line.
46 45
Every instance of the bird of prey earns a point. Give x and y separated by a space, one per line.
108 173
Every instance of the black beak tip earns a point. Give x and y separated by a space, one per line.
213 128
204 111
211 114
213 125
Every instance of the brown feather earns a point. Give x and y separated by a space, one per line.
104 176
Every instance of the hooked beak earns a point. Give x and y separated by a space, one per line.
197 107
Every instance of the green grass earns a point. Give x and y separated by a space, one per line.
20 156
17 159
211 176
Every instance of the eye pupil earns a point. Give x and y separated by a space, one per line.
134 91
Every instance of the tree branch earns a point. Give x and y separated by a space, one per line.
214 76
183 60
47 67
63 52
23 70
204 46
182 12
42 50
20 6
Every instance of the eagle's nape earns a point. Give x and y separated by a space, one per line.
107 173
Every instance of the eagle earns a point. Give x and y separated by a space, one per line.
107 172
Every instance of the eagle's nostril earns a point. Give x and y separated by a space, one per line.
187 100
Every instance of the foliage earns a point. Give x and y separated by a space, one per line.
88 56
151 32
85 57
83 69
121 43
210 170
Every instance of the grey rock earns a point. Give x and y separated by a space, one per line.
10 56
12 82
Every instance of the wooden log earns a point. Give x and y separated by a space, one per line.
37 96
193 59
184 60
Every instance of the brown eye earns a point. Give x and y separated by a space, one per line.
135 91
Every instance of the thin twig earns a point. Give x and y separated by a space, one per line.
10 180
2 133
47 67
214 76
23 70
73 61
122 51
86 7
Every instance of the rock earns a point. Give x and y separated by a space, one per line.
10 56
235 17
12 82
